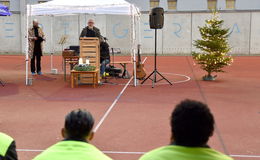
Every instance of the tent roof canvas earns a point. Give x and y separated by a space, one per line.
63 7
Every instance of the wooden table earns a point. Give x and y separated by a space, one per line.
71 60
125 74
75 74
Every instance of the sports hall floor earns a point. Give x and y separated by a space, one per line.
138 117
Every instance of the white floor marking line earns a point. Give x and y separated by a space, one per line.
121 152
29 150
118 152
144 60
187 78
245 156
182 75
112 106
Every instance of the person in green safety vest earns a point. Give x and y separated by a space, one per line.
192 124
7 147
77 133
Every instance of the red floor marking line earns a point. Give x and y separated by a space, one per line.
112 106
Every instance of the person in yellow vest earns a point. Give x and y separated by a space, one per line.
7 147
192 124
77 133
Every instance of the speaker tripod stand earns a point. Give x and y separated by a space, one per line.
155 72
2 83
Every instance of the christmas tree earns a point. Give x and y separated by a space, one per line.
214 47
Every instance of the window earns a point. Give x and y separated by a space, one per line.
42 1
5 3
230 4
212 4
154 3
172 4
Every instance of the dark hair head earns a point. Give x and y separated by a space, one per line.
192 124
78 124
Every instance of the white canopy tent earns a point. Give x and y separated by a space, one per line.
68 7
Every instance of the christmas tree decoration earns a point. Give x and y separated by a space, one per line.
213 46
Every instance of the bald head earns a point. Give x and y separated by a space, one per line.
35 23
91 23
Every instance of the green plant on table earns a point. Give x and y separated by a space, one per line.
84 68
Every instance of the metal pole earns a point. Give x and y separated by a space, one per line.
155 50
78 25
52 43
139 29
155 59
28 13
191 30
162 42
132 43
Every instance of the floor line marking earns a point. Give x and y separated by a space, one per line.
245 156
174 74
121 152
29 150
144 60
202 93
112 106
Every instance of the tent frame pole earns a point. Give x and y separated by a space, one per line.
52 50
28 14
133 43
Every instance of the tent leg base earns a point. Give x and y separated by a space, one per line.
29 82
54 71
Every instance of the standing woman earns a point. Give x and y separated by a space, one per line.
36 37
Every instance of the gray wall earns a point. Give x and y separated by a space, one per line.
247 4
199 5
15 4
10 34
191 5
179 31
182 5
